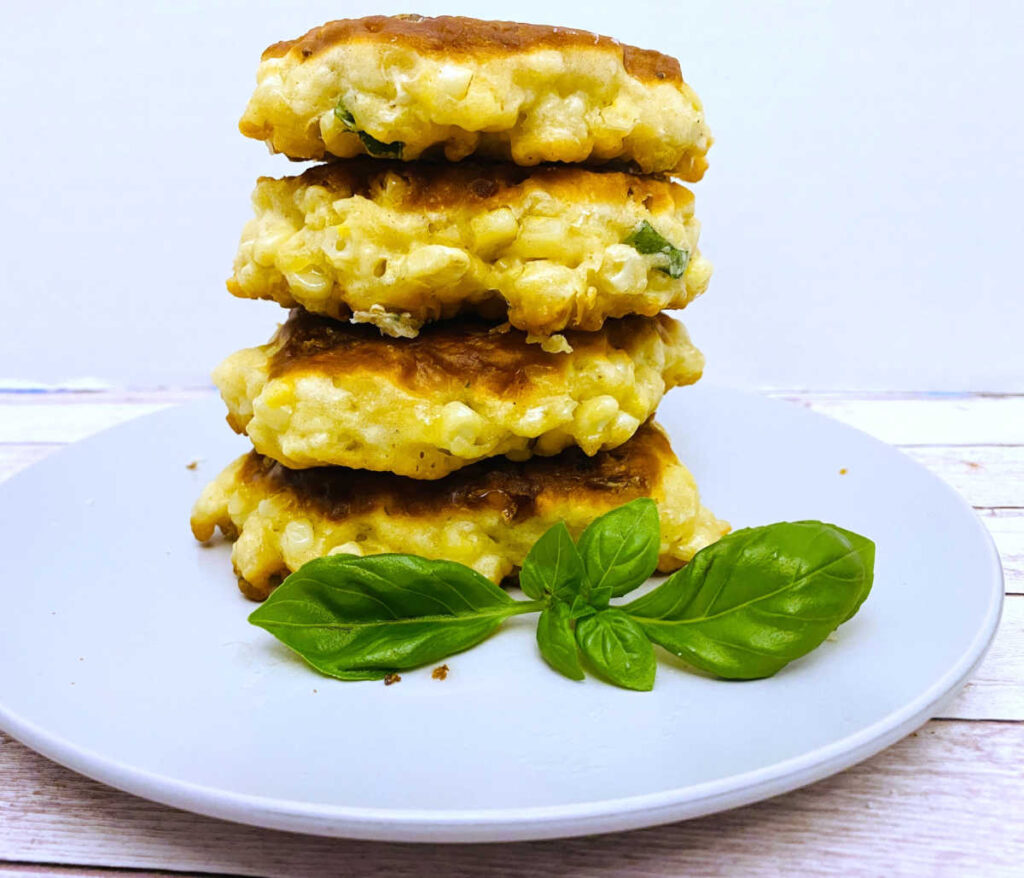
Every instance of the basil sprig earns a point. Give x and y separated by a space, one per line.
647 240
743 608
373 146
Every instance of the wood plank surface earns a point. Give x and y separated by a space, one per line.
1007 529
986 475
945 801
937 803
923 419
996 690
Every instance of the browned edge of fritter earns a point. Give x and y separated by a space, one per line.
515 489
487 185
451 35
450 352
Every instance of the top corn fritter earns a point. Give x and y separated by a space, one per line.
408 86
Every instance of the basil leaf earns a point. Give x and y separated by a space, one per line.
360 675
580 608
620 549
349 616
380 149
759 598
552 566
617 648
373 146
556 641
344 115
866 549
646 239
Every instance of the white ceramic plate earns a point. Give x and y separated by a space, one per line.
126 654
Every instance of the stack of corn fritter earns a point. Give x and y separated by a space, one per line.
476 347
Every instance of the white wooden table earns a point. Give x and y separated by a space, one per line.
948 800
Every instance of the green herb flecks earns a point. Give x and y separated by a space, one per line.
380 149
646 239
373 146
343 115
743 608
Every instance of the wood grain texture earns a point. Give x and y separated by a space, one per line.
996 690
937 803
946 801
986 475
1007 529
923 419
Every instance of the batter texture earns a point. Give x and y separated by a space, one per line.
398 245
323 392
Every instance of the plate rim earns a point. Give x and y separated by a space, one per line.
538 822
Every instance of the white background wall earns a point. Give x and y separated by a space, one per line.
863 207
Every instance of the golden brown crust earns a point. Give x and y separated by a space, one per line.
487 516
471 37
325 393
489 185
456 350
513 488
446 353
416 88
